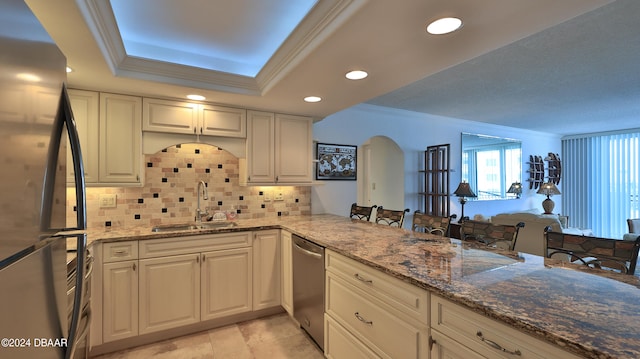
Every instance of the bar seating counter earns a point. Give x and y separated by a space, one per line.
589 312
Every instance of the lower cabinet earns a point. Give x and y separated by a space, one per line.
226 279
266 269
160 284
457 332
287 272
169 292
120 300
371 314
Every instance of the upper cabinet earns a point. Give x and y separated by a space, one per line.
85 107
109 127
279 149
192 118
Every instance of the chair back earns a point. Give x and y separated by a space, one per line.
427 223
390 217
634 225
490 233
361 212
597 252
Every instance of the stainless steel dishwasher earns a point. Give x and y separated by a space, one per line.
308 287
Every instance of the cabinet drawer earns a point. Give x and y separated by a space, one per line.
341 344
484 335
404 296
443 347
194 244
387 331
120 251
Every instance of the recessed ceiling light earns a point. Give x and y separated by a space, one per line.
69 69
444 26
196 97
356 75
312 99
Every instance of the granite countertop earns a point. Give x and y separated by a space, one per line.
592 313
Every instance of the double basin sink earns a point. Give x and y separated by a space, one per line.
194 226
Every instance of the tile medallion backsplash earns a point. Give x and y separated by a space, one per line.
169 192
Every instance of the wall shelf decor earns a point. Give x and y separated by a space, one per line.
536 171
554 168
435 181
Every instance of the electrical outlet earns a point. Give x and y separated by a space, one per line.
267 196
108 200
278 196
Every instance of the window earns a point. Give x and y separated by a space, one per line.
600 184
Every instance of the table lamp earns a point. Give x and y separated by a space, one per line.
516 188
463 191
548 189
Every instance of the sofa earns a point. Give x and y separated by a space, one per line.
531 237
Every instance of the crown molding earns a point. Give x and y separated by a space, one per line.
318 25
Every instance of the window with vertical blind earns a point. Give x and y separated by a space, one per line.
600 181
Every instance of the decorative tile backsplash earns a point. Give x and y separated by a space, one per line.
169 192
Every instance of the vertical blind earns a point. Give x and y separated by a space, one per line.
601 186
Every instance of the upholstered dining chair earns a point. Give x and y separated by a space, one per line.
605 253
490 233
390 217
634 225
361 212
427 223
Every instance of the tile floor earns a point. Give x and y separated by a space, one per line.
273 337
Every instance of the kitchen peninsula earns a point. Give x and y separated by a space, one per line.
587 312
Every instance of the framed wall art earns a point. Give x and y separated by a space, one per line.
336 162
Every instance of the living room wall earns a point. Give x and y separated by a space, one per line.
413 132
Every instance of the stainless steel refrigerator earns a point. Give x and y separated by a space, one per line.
36 127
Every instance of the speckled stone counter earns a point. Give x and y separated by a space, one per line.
593 313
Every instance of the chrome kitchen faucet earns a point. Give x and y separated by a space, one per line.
205 196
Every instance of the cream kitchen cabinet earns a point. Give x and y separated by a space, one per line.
109 127
287 271
192 118
457 332
169 294
266 269
120 291
375 312
85 107
279 149
182 278
226 279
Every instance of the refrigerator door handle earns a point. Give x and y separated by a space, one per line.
77 300
81 246
78 167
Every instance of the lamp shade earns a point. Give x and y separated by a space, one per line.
464 190
516 188
548 189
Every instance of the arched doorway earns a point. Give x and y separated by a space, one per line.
381 173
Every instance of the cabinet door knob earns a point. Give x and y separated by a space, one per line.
134 267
